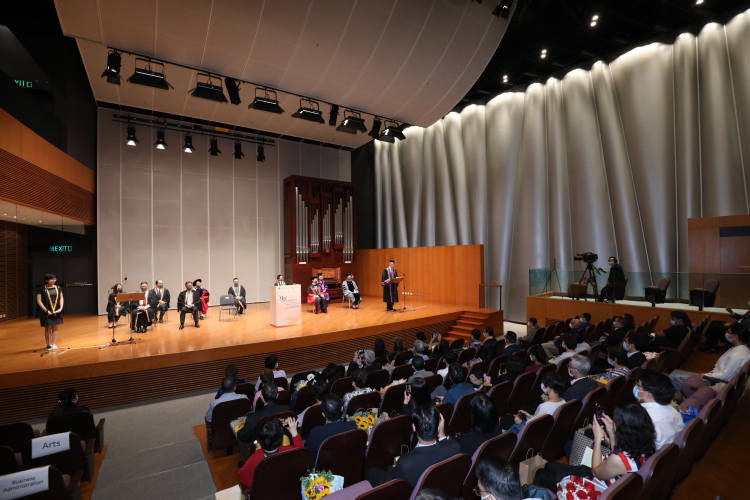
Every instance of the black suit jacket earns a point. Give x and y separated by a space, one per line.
153 298
636 360
411 465
247 433
323 432
580 389
616 276
181 299
615 338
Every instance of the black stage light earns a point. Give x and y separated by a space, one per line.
149 78
238 154
352 123
503 9
391 133
131 140
160 144
207 90
233 89
265 103
261 154
333 116
375 130
311 113
214 149
113 68
188 147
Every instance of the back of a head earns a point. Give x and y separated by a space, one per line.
587 317
369 357
476 334
269 392
484 416
514 365
271 362
490 348
570 341
628 320
319 390
450 357
333 407
539 354
580 363
398 345
637 342
426 419
271 435
231 371
432 494
359 379
419 347
511 337
64 401
418 363
420 392
490 331
228 384
380 347
499 478
555 382
659 385
634 429
457 373
332 373
443 347
421 336
618 355
266 376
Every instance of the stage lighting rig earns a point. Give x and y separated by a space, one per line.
311 113
114 60
160 144
214 149
147 77
391 133
265 103
131 140
261 154
352 123
375 130
207 90
233 89
333 115
238 154
188 146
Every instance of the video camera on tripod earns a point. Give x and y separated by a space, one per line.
587 257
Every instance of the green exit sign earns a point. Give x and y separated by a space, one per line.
28 84
64 248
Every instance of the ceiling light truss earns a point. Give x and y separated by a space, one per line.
148 77
391 132
265 102
207 90
311 112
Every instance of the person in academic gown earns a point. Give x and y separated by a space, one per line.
351 291
141 313
390 291
115 308
323 287
159 299
315 296
188 302
50 300
204 296
240 298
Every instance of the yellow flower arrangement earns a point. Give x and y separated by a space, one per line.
317 484
365 420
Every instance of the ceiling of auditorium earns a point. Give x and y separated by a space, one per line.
563 28
410 60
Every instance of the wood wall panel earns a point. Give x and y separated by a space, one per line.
13 299
445 274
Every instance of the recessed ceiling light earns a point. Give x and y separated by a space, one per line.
595 18
544 51
544 55
593 23
698 2
131 140
160 144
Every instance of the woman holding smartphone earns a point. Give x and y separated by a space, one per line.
50 300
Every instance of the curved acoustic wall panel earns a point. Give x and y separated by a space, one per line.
612 160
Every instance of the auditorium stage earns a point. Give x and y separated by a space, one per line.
170 361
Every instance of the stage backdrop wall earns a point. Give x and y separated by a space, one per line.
613 160
165 214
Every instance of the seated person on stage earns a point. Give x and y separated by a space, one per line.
615 281
316 296
115 308
621 325
323 286
716 330
231 371
635 346
246 435
704 387
188 302
359 383
333 410
279 281
432 448
159 299
141 315
672 336
203 297
240 298
512 346
270 439
351 291
228 394
271 363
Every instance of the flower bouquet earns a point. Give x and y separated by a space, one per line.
304 382
318 484
579 488
364 419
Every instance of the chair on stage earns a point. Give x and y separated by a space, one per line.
226 303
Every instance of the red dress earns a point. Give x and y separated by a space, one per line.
204 300
247 470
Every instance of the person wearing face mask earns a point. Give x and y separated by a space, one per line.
533 327
497 479
615 281
557 343
716 330
617 358
159 299
115 309
50 300
704 387
189 302
634 347
141 313
203 297
240 297
553 385
655 391
581 385
672 337
621 325
351 291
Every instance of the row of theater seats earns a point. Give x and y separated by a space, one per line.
67 469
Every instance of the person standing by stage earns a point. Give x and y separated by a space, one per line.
188 302
390 291
351 291
159 298
114 308
315 296
141 313
203 297
50 300
240 299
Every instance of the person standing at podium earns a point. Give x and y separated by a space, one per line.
159 300
390 291
280 281
141 313
240 298
189 302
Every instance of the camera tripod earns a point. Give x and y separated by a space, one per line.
592 272
549 279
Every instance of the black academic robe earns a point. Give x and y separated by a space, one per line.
153 298
390 291
145 318
111 304
242 293
182 299
616 276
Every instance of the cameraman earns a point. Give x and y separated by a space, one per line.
615 281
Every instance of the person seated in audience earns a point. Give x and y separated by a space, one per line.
432 494
553 385
419 370
266 377
476 339
458 374
621 325
379 348
617 358
476 379
490 350
67 402
398 346
655 392
271 363
419 349
420 395
421 336
437 347
585 320
581 385
333 409
539 358
634 345
270 439
449 358
510 372
228 394
716 330
231 371
632 439
512 346
484 425
246 435
497 479
569 343
432 447
704 387
533 327
319 389
331 373
557 342
672 336
359 382
580 344
364 362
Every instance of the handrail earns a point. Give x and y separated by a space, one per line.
496 286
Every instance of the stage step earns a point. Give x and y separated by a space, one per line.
472 316
463 328
470 323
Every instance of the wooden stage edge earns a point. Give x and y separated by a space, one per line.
30 392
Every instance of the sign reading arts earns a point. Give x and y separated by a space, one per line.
48 445
24 483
